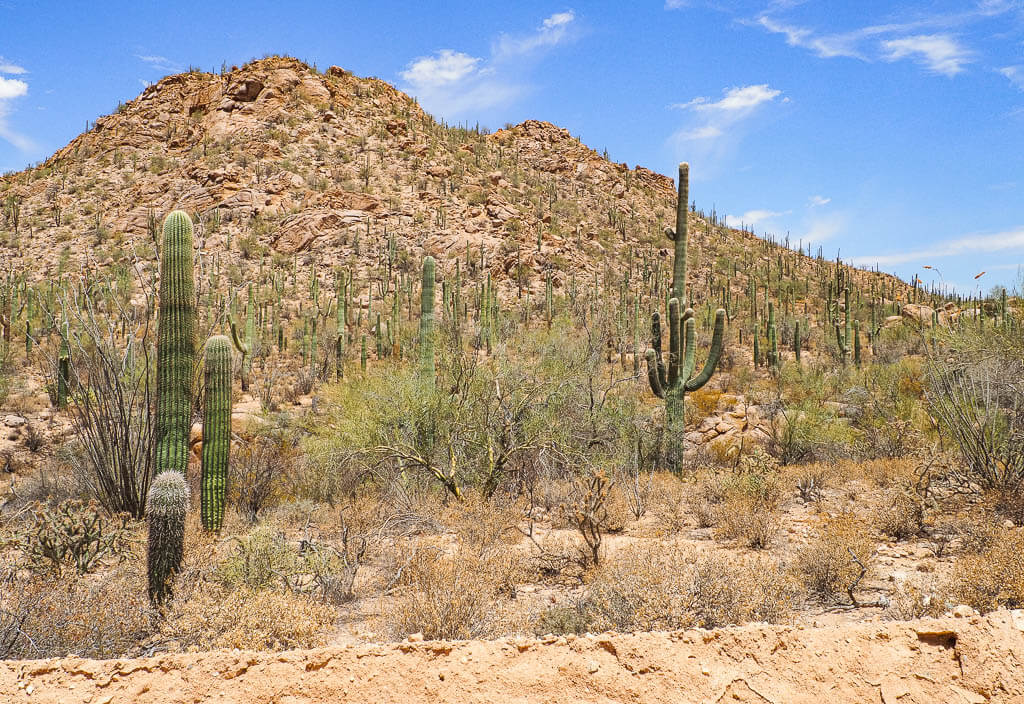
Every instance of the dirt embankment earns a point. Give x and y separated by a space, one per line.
969 660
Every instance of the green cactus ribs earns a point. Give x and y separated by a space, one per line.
672 380
175 350
427 365
216 430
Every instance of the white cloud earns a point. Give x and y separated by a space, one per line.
11 88
705 132
675 4
926 38
753 217
159 62
445 68
452 82
1006 241
713 129
552 31
10 67
1014 74
826 46
939 53
824 227
715 118
815 201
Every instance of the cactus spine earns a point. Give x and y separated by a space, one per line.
175 349
673 382
427 368
166 506
216 430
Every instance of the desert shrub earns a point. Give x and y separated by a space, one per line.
481 522
574 617
667 587
992 578
453 596
217 616
808 432
259 472
888 417
975 393
744 503
44 615
835 561
915 599
669 503
260 560
900 514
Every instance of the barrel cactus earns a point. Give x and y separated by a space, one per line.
175 348
166 506
216 430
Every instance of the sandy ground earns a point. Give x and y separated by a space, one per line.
968 660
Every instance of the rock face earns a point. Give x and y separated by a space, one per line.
969 659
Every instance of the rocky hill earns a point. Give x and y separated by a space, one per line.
277 158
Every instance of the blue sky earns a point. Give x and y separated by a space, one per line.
891 132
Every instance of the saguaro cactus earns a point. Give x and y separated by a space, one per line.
216 430
843 335
672 381
175 348
427 368
166 506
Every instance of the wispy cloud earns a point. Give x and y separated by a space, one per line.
818 201
755 217
714 118
1015 75
552 31
161 63
451 82
926 39
824 227
939 53
714 128
10 89
11 68
675 4
1008 241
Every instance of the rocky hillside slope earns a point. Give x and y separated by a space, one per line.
277 158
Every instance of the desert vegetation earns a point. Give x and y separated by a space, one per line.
439 403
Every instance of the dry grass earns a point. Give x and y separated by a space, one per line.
217 617
834 562
96 616
455 596
667 587
992 578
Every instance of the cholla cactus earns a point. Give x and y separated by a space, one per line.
166 506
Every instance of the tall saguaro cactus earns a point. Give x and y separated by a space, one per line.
427 366
175 347
216 430
672 381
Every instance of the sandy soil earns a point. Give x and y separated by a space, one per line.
968 660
